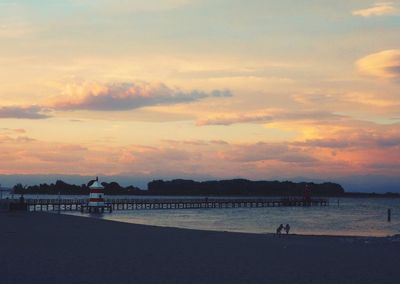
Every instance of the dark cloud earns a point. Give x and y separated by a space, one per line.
111 97
387 142
223 93
30 112
128 96
394 70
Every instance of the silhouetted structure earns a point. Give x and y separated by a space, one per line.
243 187
233 187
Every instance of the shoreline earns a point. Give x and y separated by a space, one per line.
238 232
53 248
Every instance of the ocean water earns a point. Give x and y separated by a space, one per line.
351 217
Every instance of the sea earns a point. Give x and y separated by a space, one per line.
343 217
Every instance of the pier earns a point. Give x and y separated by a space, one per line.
171 203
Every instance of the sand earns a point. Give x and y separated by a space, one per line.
51 248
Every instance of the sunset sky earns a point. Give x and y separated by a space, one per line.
256 89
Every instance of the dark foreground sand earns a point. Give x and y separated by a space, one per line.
50 248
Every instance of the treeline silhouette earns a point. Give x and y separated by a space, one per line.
61 187
175 187
242 187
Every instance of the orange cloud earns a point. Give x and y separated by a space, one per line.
379 9
384 64
384 136
355 151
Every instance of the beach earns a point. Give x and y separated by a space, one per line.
52 248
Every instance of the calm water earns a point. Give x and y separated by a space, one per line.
361 217
354 216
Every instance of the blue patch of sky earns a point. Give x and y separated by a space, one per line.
256 25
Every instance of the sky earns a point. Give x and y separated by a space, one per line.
256 89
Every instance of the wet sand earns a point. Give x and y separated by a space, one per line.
51 248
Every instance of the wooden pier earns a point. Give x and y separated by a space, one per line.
169 203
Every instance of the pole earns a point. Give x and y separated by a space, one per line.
59 202
389 215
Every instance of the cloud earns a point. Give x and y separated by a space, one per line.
262 151
379 9
29 112
229 120
127 96
359 153
110 97
268 117
173 158
356 137
384 64
221 94
369 103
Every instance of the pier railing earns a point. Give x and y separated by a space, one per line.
171 203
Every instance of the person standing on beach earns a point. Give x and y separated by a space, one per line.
287 229
279 230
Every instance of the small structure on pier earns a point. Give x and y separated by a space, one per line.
307 195
96 202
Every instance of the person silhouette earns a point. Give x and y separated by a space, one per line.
287 229
279 230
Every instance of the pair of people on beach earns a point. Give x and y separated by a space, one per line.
281 227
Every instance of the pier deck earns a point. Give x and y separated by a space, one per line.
176 203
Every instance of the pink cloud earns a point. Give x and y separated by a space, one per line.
350 151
